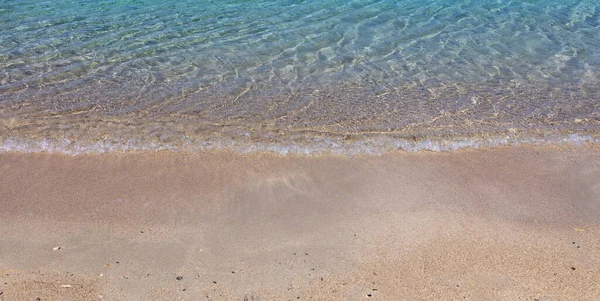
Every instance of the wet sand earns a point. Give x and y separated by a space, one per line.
507 223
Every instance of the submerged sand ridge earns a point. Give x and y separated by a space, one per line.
503 223
332 119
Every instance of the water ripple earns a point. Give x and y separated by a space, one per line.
434 67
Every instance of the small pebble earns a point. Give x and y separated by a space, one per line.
179 277
573 268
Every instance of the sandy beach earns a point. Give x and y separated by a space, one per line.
510 223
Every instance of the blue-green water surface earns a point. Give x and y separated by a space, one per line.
172 74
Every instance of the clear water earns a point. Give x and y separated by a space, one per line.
301 76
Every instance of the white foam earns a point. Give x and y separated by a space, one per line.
307 146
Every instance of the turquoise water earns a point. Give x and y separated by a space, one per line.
79 76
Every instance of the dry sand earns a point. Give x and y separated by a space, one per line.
511 223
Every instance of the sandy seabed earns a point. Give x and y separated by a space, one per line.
509 223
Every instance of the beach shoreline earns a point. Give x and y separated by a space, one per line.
475 224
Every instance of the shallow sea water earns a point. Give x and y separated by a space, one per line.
297 76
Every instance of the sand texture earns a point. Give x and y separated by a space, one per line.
511 223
